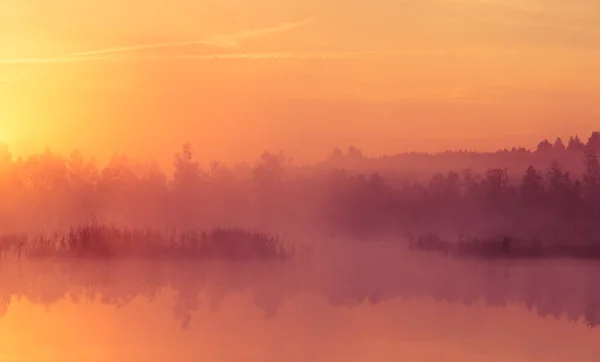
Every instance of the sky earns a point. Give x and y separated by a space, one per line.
235 78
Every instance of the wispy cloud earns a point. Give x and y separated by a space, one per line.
232 40
227 41
216 56
50 60
265 55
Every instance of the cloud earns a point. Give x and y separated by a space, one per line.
229 41
216 56
267 55
51 60
232 40
132 48
281 55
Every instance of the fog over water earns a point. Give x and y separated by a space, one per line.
299 181
351 259
352 302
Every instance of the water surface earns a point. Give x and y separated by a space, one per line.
361 308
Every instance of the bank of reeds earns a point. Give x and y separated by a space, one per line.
508 247
104 241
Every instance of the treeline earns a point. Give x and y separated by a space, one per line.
548 204
420 165
50 192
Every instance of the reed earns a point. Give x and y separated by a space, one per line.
504 246
95 240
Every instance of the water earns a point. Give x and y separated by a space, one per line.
374 306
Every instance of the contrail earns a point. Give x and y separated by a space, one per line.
278 55
134 58
131 48
232 40
261 55
52 60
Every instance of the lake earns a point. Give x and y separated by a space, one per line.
375 305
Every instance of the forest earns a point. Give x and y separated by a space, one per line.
71 228
550 197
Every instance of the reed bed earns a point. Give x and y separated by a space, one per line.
503 246
105 241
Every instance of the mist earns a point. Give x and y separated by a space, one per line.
286 247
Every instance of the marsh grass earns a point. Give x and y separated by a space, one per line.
96 240
507 247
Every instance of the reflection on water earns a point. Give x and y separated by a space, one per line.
376 307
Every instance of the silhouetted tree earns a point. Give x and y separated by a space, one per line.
575 145
270 169
355 154
495 185
593 143
532 187
562 190
544 147
221 173
559 146
336 156
187 171
591 184
188 179
591 177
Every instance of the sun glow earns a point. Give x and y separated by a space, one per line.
2 128
4 132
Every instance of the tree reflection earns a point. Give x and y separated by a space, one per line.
547 289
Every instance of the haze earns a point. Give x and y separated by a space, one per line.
236 78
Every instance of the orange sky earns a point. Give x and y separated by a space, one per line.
236 77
